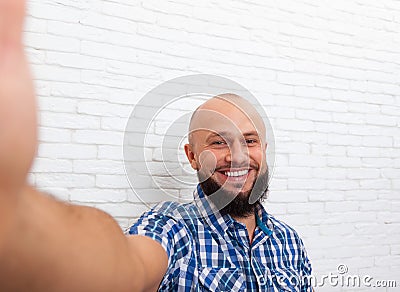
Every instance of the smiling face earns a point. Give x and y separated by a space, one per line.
227 147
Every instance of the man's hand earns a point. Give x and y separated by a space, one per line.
17 101
17 113
47 245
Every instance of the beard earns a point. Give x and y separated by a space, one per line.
236 204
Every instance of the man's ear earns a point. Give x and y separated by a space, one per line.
190 156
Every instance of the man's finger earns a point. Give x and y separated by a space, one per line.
17 101
12 14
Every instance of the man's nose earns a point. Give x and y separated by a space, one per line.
238 154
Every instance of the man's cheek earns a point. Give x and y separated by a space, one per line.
207 161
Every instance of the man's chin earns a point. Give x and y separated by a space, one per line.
233 189
233 198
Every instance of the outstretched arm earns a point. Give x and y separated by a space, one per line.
46 245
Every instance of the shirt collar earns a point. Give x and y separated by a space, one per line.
222 222
210 212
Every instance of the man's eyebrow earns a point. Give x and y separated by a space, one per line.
224 135
215 134
251 133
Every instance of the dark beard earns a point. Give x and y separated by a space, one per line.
240 206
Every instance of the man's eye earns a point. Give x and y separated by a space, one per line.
251 141
218 143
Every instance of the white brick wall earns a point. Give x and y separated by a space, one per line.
327 73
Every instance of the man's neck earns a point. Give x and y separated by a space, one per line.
250 223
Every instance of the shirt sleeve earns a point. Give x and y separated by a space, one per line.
171 234
306 269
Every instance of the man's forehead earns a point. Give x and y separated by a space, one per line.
222 114
219 113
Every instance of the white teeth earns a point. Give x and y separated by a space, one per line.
236 173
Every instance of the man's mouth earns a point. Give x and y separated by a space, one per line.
236 173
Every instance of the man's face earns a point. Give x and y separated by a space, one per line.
228 149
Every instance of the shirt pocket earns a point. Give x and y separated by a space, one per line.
221 279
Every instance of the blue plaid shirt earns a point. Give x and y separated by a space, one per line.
210 252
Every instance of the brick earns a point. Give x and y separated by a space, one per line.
65 180
361 195
35 57
296 220
66 151
310 137
326 196
54 73
378 205
68 121
307 160
49 42
342 185
378 141
292 147
288 124
64 105
375 184
308 207
330 173
152 195
278 184
95 22
111 181
306 184
313 115
108 51
292 172
328 150
75 61
36 25
381 120
54 135
110 152
349 118
378 162
344 140
331 82
337 229
55 12
330 105
137 14
288 196
364 130
98 166
91 195
97 137
276 209
341 206
51 165
364 173
296 79
389 110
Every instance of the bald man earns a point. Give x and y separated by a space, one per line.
223 241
